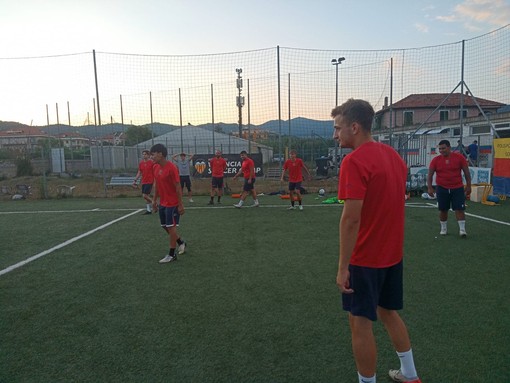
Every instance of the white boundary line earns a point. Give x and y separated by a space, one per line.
63 244
480 217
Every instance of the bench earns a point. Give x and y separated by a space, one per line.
274 173
64 191
122 181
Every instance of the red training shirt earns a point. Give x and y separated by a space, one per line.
145 168
376 174
167 181
246 166
448 170
218 166
295 169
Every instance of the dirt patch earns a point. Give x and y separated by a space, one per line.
92 186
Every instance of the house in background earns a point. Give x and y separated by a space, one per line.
74 140
416 108
21 138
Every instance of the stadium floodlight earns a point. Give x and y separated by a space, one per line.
240 100
337 62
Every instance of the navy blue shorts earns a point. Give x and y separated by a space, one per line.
295 186
248 186
454 198
217 182
169 216
185 181
146 188
374 287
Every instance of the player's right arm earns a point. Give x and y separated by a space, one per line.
155 197
348 229
430 175
138 175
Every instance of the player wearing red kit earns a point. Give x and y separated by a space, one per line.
295 167
372 184
248 172
168 190
450 192
218 166
147 176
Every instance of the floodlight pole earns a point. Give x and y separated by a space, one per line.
336 63
240 100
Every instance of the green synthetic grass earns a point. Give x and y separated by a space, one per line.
253 299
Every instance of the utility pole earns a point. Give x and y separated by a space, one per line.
336 63
240 100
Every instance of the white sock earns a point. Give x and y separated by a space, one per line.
407 364
256 202
363 379
462 225
444 225
149 207
241 202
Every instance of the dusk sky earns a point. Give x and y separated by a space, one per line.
32 28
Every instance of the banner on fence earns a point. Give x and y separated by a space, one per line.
501 179
478 175
201 168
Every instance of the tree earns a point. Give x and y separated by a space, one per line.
137 134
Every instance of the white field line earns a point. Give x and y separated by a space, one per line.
61 211
483 218
63 244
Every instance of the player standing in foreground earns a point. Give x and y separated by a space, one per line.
218 166
295 166
449 187
248 172
169 191
371 240
146 174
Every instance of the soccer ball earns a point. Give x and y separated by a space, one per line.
322 191
428 196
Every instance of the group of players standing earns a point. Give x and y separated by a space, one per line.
168 181
370 268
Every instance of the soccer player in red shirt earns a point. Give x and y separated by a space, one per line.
248 172
372 183
449 187
147 176
168 190
295 167
218 166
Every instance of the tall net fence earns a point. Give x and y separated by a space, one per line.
270 99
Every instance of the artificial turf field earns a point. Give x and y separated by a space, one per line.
253 299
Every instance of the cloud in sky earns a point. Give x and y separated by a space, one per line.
421 27
474 13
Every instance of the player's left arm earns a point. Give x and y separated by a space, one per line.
467 176
178 191
252 173
307 171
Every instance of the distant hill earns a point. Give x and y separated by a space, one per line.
299 127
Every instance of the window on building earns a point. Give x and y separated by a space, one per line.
443 115
378 122
408 118
480 129
463 113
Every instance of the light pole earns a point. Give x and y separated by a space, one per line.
336 63
240 100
